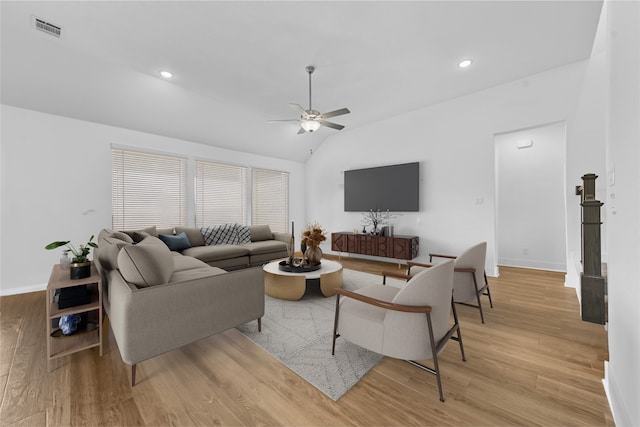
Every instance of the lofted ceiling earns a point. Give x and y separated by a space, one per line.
238 64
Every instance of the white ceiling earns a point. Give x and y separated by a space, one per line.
238 64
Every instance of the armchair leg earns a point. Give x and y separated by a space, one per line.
478 293
133 375
335 325
259 324
457 326
434 352
486 285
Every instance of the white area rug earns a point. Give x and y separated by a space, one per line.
298 333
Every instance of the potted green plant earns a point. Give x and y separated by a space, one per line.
80 266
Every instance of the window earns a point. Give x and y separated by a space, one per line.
221 194
270 199
147 189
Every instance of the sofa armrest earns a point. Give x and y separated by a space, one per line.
283 237
150 321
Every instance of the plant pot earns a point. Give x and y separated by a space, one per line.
80 270
313 255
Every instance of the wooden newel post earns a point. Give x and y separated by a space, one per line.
592 283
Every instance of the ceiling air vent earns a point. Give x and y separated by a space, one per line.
47 27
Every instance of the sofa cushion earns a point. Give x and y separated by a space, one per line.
176 243
196 273
109 247
260 232
194 235
151 240
181 263
224 234
145 264
121 236
244 234
139 235
265 247
166 230
216 252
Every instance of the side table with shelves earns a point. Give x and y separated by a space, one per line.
63 345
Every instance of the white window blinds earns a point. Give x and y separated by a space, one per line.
147 189
270 199
221 194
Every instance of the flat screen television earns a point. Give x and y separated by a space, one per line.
394 187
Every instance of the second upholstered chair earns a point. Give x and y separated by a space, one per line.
410 323
469 279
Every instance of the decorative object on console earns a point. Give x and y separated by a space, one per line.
375 218
80 266
312 236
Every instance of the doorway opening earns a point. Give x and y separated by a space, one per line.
530 197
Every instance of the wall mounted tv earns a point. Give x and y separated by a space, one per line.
394 187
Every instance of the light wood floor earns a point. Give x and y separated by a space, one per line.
534 362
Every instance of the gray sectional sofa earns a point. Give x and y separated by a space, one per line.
262 246
158 300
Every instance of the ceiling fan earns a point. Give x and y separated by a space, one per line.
311 120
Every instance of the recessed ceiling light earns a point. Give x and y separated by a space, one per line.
465 63
166 74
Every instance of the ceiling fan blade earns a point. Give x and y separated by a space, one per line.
336 113
331 125
301 110
301 131
284 120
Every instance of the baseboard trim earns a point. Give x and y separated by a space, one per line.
621 416
22 289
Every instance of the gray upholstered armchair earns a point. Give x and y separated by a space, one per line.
410 323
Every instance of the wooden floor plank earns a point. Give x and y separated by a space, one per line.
533 362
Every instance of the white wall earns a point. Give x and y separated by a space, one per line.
530 197
622 374
454 141
586 153
56 185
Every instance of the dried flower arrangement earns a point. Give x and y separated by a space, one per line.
313 235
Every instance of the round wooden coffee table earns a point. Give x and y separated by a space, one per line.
291 286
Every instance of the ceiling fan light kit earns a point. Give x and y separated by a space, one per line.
310 125
311 120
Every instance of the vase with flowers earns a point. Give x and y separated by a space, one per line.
312 236
80 266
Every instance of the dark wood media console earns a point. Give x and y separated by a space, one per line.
398 247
